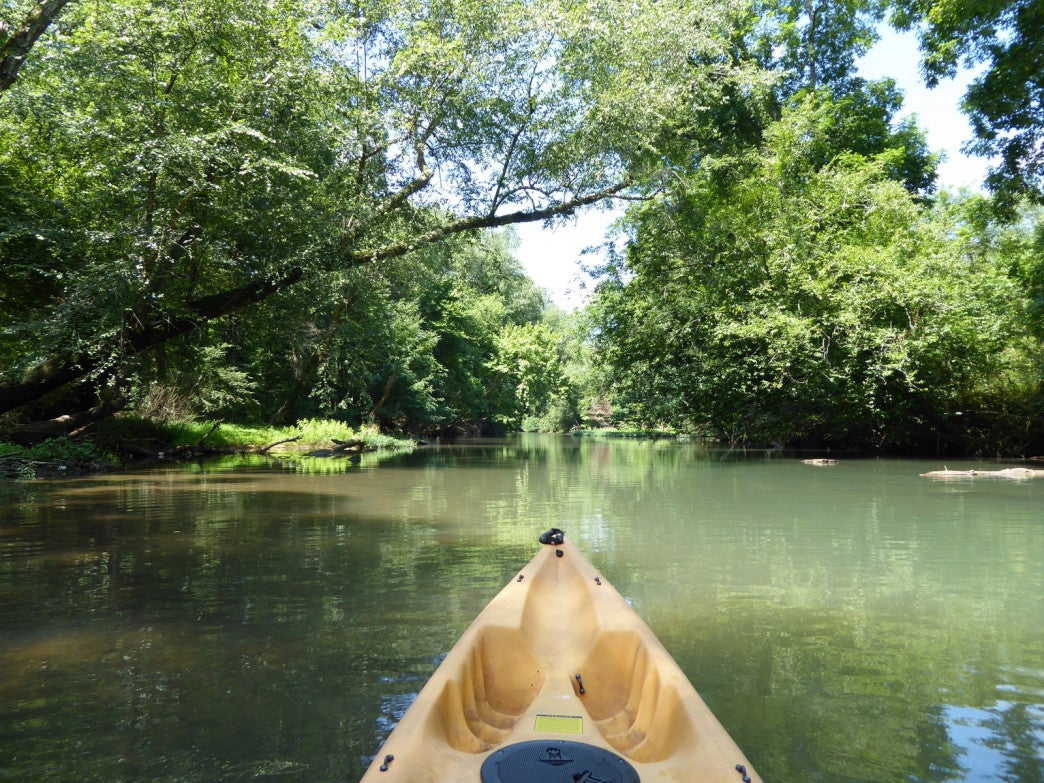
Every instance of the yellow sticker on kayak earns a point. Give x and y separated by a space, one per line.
560 724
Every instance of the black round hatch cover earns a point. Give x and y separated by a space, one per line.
556 761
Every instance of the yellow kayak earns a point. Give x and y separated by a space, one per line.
558 680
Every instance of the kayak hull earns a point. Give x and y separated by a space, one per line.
559 656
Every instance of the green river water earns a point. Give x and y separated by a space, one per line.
266 622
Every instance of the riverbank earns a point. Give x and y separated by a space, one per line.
54 457
633 432
126 441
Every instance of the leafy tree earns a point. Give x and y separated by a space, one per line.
406 343
790 297
527 372
580 388
1015 244
860 121
814 44
809 48
1006 102
167 165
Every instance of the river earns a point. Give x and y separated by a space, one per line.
262 621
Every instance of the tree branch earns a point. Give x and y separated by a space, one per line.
398 199
15 49
53 374
489 220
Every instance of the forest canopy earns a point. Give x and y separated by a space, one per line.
302 208
168 170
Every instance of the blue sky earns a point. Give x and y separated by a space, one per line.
552 257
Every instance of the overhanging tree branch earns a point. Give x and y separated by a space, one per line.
51 375
489 220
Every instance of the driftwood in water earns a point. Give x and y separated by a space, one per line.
355 444
1012 473
819 461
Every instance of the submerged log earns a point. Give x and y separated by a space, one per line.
819 461
1012 473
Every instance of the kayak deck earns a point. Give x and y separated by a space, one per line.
559 657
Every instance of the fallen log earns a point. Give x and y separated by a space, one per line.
1012 473
196 449
270 446
342 448
354 444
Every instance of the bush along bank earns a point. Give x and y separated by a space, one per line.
126 441
54 457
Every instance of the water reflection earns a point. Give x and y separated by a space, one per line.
260 621
996 743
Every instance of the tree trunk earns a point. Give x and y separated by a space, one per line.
52 374
16 48
371 417
311 365
68 424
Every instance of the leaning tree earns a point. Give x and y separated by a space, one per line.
164 164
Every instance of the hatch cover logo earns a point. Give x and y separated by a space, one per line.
554 757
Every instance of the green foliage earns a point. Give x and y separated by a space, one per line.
314 433
614 433
860 120
323 431
808 51
1004 103
169 175
582 393
1015 244
791 296
218 386
526 371
407 345
59 450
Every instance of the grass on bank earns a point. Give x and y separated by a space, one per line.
54 456
58 450
99 451
314 434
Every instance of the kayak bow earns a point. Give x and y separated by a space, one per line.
559 680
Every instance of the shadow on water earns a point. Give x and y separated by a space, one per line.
851 623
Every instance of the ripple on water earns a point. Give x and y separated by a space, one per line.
990 744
